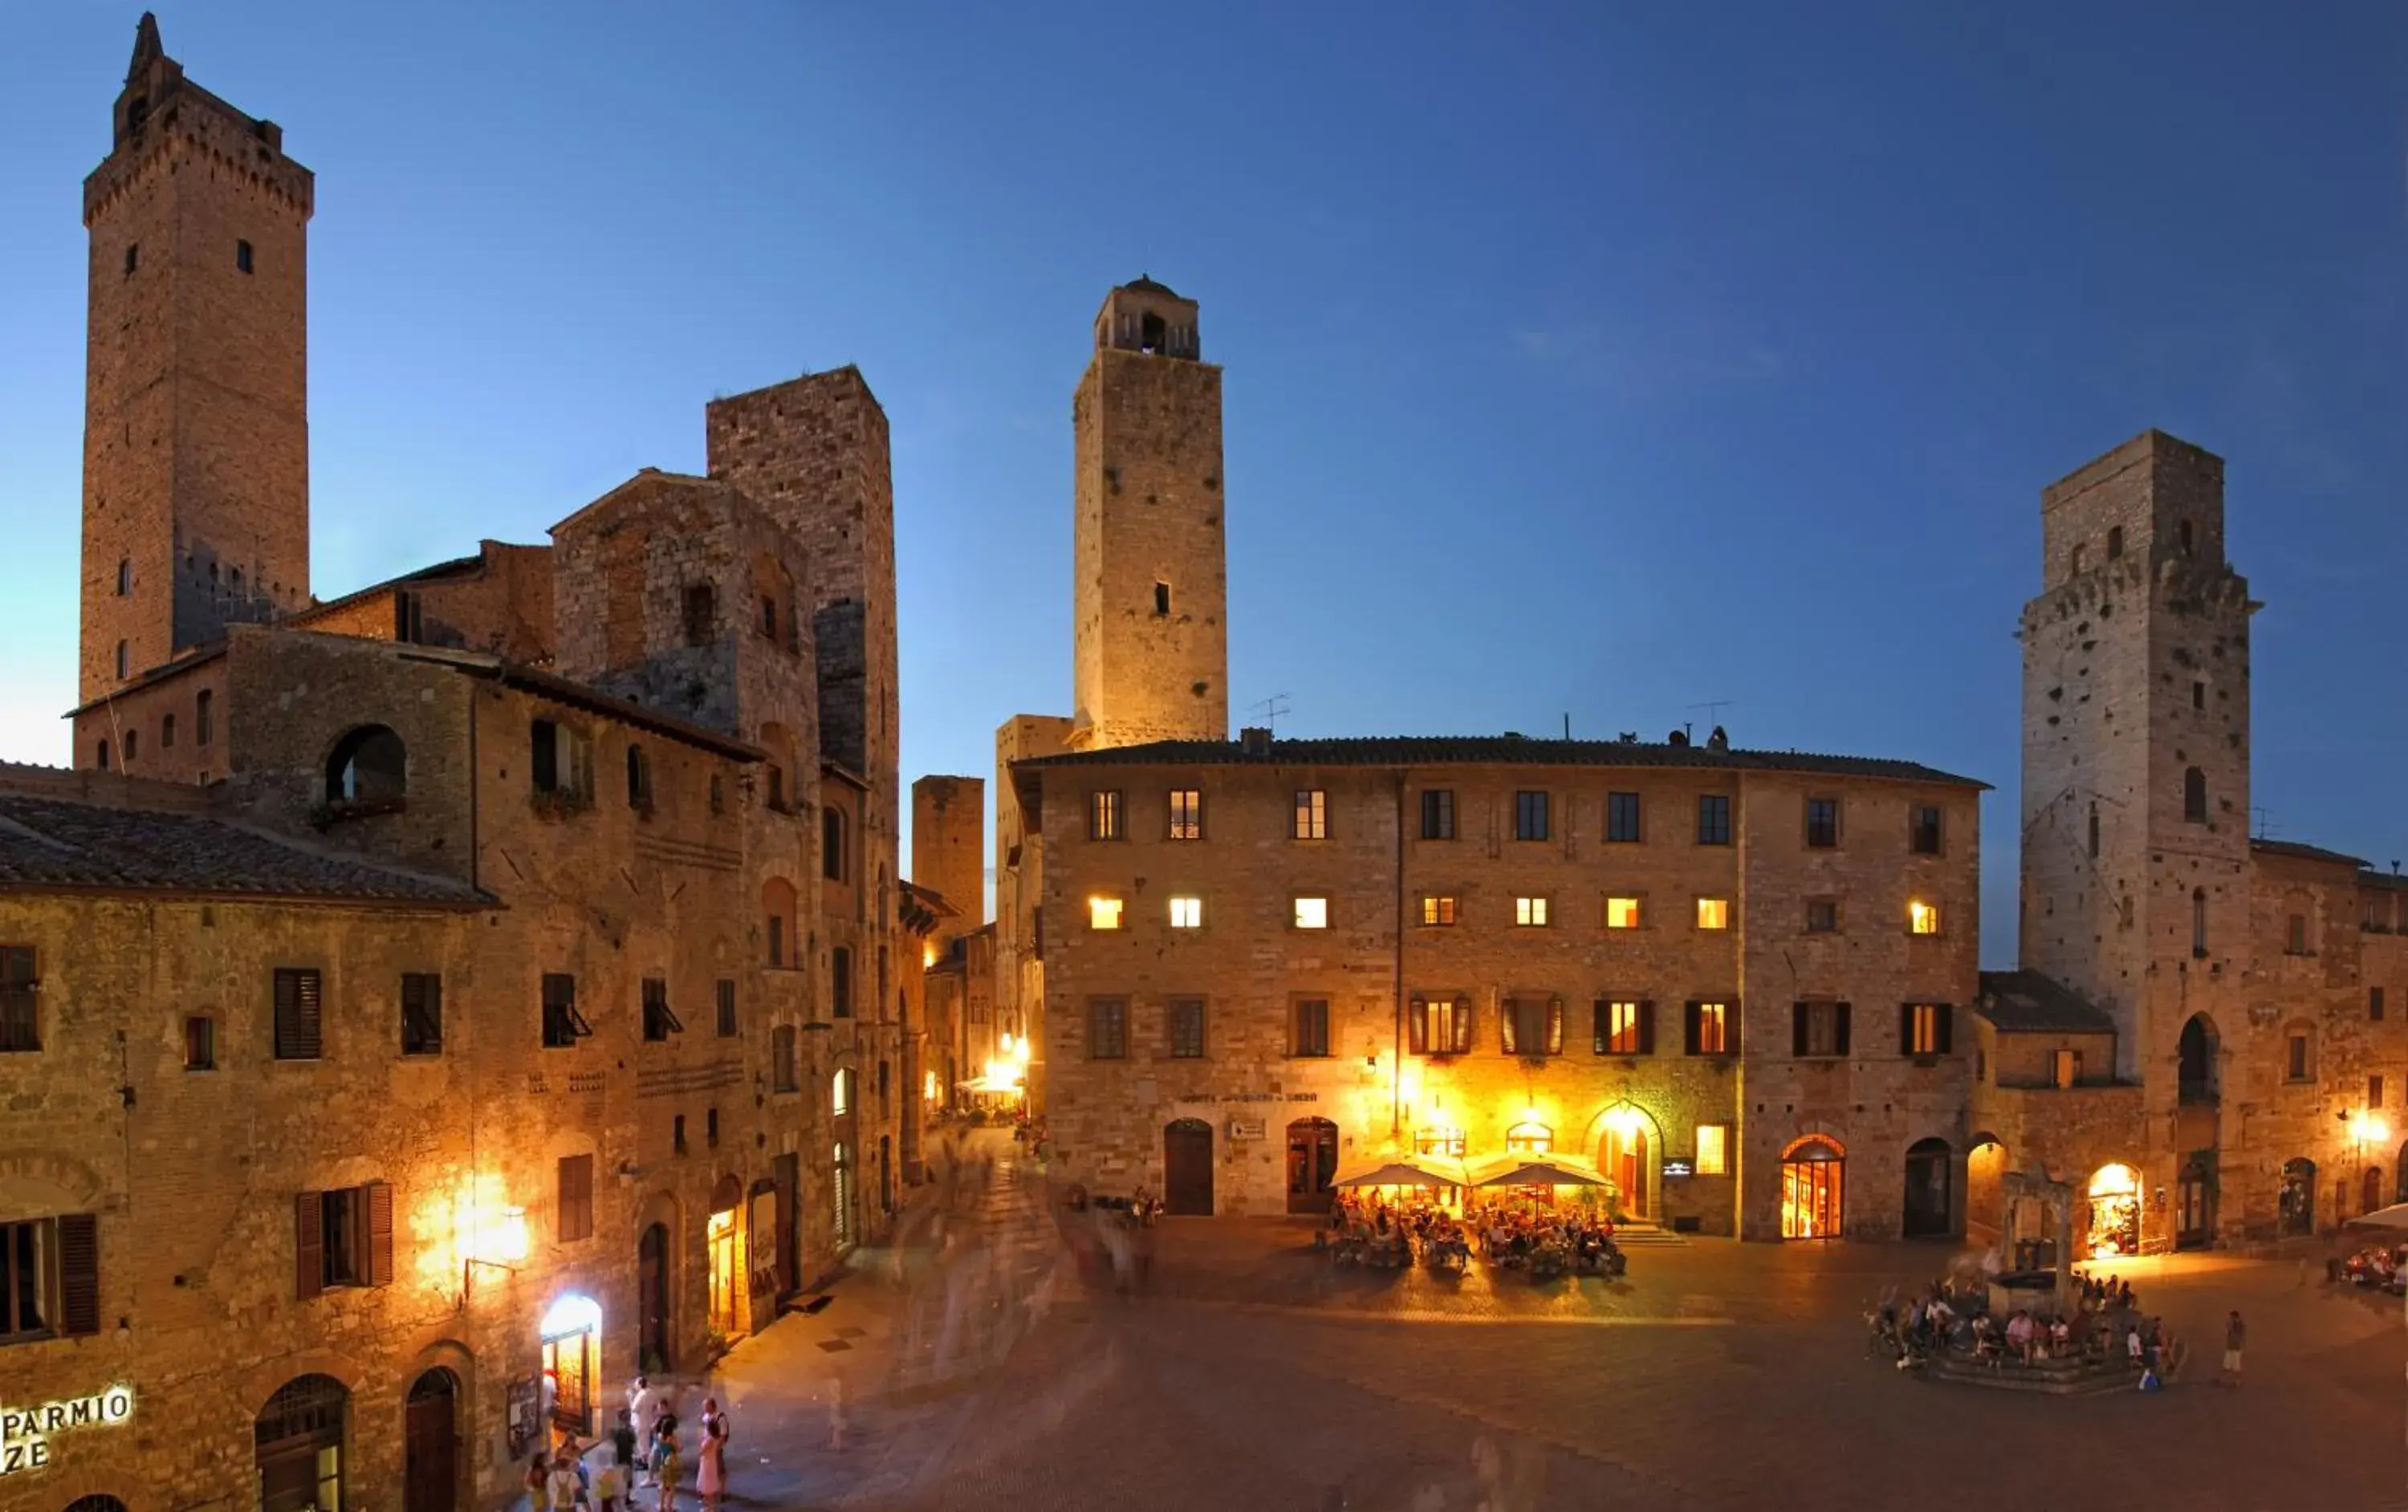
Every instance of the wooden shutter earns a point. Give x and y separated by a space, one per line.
1601 1025
1906 1028
78 1274
1463 1026
1943 1014
1509 1025
299 1035
1690 1039
1417 1026
377 1197
1646 1028
1802 1028
576 1217
309 1246
1555 1026
1839 1014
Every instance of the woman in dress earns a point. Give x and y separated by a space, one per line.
665 1463
710 1477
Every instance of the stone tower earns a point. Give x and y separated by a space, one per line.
2136 765
196 434
1151 595
949 844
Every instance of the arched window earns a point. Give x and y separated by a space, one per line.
2199 922
97 1502
840 1092
1530 1137
124 658
778 921
640 778
2194 795
1930 1189
298 1445
2195 1060
2081 561
2115 542
2183 531
100 756
133 745
124 576
368 765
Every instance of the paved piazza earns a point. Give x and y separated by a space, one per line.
1248 1374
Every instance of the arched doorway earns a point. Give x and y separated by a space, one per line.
97 1502
572 1332
1930 1189
1187 1168
1985 1196
2298 1208
2113 1222
1312 1165
723 1248
431 1444
1629 1155
297 1443
2195 1202
1813 1171
2373 1190
2195 1060
653 1294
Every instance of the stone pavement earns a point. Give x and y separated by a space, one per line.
976 1373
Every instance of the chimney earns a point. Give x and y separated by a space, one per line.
1719 740
1255 740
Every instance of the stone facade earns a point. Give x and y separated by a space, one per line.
1282 918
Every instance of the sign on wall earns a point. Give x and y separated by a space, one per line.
519 1413
25 1433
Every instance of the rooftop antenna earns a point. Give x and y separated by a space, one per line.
1714 707
2265 823
1568 724
1273 707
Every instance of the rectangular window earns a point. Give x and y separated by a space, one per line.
1621 913
342 1238
832 844
1625 1027
1713 819
660 1021
1108 1029
1311 814
840 981
1529 816
1622 818
2295 1057
2373 1092
242 257
576 1210
200 1043
710 1128
299 1029
784 1073
1925 836
1818 1029
1924 1028
1714 1150
1187 913
1531 1026
1531 912
21 1022
167 732
2065 1068
50 1277
421 1013
408 619
1714 913
1709 1030
1104 913
203 718
1437 909
1822 823
1440 1026
1822 915
2374 1003
133 255
1312 913
777 940
676 1133
726 994
1186 814
563 1025
1437 813
2296 940
1922 917
1104 817
701 614
1186 1026
1309 1031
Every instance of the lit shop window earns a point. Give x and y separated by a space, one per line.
1103 913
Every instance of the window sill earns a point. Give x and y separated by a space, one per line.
434 1054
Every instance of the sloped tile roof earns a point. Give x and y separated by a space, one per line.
2032 1003
2305 853
49 845
1508 751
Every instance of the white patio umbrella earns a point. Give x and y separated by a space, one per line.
2393 1217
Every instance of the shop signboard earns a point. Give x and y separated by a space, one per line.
27 1431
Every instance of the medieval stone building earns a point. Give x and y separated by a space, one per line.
423 1009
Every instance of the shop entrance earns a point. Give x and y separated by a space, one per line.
572 1361
1312 1165
1930 1189
2114 1215
298 1446
653 1294
1626 1154
724 1245
431 1444
1187 1168
1813 1170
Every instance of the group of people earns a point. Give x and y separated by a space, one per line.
2383 1267
1548 1241
1371 1229
560 1481
2106 1323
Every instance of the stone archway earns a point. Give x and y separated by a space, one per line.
1985 1201
1628 1145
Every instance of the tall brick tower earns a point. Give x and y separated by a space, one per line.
949 844
197 432
1151 562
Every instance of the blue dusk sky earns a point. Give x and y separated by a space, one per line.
1595 361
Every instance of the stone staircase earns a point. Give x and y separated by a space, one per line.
1642 1235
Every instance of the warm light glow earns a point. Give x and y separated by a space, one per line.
471 1221
1625 1119
1312 913
1187 913
1004 1040
2114 1181
2370 1129
571 1314
1020 1050
1713 1149
929 954
928 1086
1103 913
1621 913
1714 913
1006 1073
1923 917
1529 1115
1531 911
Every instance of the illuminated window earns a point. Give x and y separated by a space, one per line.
2066 1067
1923 917
1311 814
1529 1139
1531 911
1714 913
1440 1026
1186 814
1437 909
1714 1150
1621 913
1104 816
1187 913
1103 913
1447 1142
1312 913
840 1092
1925 1029
1624 1028
1708 1029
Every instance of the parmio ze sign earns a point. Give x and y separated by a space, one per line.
25 1431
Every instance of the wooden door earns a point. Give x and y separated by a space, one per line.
653 1288
1312 1165
431 1441
1187 1168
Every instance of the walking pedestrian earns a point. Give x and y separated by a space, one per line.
622 1443
568 1491
641 1416
711 1460
2235 1334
